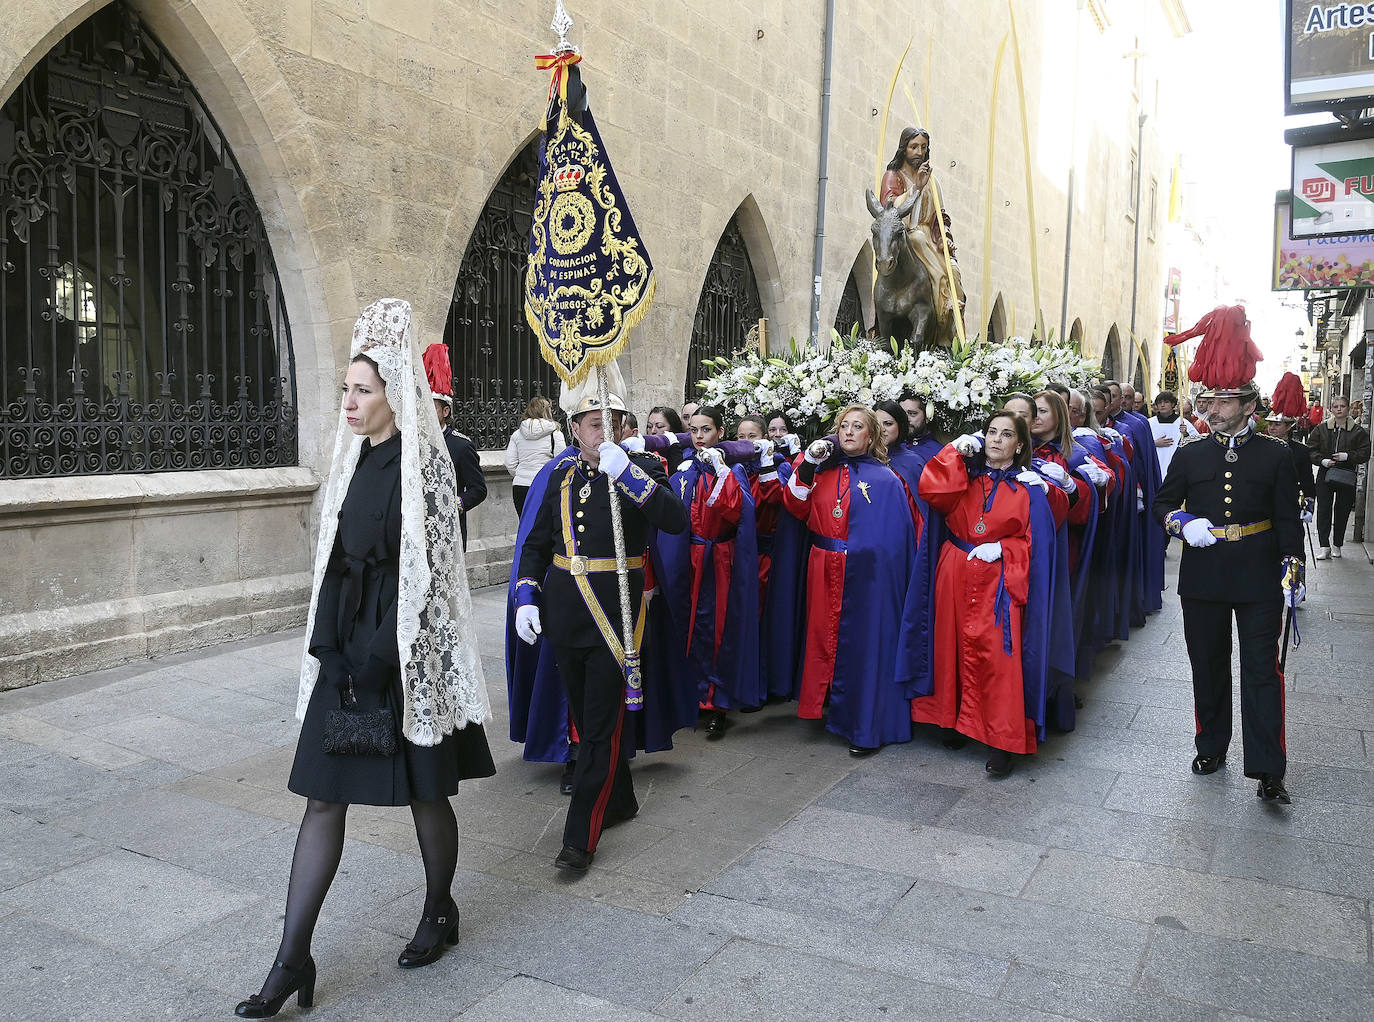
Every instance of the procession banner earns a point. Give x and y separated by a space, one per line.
1307 263
589 278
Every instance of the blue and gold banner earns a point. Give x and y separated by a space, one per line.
589 278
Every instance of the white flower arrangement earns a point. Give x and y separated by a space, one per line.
962 385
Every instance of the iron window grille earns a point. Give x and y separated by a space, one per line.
728 308
142 323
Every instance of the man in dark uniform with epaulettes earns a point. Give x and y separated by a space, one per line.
1232 496
567 567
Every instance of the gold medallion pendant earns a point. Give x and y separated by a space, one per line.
1232 456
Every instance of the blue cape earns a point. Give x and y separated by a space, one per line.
909 462
1038 630
735 669
537 702
784 610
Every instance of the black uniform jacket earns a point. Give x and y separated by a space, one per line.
1260 485
467 468
564 616
1302 465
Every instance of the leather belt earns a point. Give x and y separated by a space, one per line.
1233 533
579 565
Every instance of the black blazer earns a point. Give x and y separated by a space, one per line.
467 468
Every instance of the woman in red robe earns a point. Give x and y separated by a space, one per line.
982 487
861 599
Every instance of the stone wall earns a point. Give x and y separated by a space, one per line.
372 131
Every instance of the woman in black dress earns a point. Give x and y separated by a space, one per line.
390 618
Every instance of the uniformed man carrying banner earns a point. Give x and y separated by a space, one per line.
1232 495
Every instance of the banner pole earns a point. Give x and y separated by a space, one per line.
634 691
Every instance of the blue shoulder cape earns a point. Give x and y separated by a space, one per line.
919 619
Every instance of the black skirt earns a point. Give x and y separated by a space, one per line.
416 773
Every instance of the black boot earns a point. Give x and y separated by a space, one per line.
299 981
438 929
1000 764
1271 789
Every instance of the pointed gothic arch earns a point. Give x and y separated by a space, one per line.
996 331
729 305
856 300
1140 378
1111 354
143 326
497 366
1076 335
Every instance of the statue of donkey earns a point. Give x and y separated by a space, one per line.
903 293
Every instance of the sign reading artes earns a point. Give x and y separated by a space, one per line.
589 278
1329 55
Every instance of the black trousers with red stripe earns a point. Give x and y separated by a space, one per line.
601 781
1207 631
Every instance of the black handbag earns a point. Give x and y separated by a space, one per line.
1340 477
349 731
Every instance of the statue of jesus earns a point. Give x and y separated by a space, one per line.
909 172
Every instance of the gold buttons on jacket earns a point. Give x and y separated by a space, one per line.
1228 500
1226 487
581 528
1228 475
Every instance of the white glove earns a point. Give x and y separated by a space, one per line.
614 461
1054 472
1306 515
1032 479
793 443
1139 498
633 444
527 623
764 449
819 451
1090 471
986 552
713 459
1327 463
1198 533
968 445
1084 431
1112 434
1293 597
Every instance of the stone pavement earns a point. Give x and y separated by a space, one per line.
146 834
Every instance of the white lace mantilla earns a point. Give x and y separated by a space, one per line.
441 671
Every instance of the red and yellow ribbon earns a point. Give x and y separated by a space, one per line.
556 64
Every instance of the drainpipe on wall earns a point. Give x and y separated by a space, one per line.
822 179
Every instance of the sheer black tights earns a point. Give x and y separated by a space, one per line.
319 846
436 828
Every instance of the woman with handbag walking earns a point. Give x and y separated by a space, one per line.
1339 445
392 698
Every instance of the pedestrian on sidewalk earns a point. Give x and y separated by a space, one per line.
1243 557
390 649
532 446
1339 446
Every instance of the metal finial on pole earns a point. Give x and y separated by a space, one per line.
562 24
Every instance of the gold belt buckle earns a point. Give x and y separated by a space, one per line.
1233 533
577 565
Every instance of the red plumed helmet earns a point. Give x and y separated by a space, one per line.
1226 359
440 372
1289 400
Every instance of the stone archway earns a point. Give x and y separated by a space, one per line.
996 330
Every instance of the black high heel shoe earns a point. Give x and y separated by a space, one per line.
300 981
446 920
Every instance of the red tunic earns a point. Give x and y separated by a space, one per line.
978 685
717 522
767 507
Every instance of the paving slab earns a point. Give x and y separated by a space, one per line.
1247 910
1059 939
754 981
814 887
522 998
